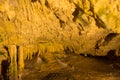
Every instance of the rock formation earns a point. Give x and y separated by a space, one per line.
62 26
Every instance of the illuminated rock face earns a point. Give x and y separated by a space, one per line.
81 26
46 27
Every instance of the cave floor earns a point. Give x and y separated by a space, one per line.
75 67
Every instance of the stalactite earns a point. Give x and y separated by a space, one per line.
20 61
41 50
13 59
25 50
31 50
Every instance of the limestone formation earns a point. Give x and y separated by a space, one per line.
47 27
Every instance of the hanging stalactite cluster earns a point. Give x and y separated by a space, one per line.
18 54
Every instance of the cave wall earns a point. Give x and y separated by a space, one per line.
51 29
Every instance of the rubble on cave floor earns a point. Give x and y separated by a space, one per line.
77 68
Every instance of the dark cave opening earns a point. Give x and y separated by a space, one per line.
111 55
109 58
5 69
